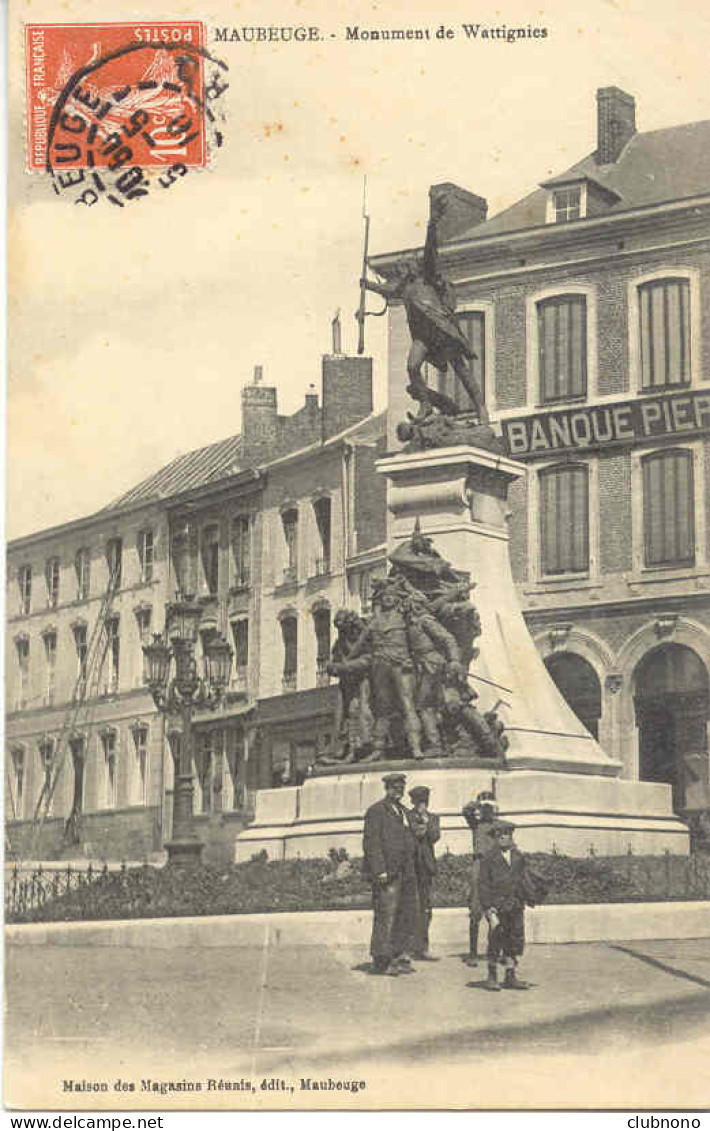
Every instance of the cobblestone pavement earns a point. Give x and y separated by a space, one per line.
604 1025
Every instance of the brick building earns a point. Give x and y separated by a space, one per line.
587 305
267 530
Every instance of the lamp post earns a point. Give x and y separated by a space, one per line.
180 696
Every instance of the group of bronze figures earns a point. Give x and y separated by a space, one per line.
404 672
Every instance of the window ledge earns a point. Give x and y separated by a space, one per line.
660 575
562 585
542 406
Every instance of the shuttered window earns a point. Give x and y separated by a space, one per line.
472 324
564 516
289 632
665 333
668 527
562 345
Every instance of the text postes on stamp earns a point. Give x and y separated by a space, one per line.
115 95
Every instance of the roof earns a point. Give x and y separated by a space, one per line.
219 461
185 473
654 168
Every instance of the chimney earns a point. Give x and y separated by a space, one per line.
259 421
337 333
312 400
347 392
463 210
616 123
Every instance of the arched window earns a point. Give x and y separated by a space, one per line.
579 684
664 325
562 346
672 704
564 519
668 508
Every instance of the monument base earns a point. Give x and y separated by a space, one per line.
562 790
567 813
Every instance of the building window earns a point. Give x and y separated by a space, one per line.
82 565
77 749
144 619
365 592
23 672
210 558
183 547
472 324
113 655
562 346
321 623
145 555
139 776
51 574
579 685
668 508
17 781
564 519
289 520
208 764
50 656
240 632
46 793
241 551
664 324
80 643
567 204
234 796
114 559
24 582
289 632
321 508
109 792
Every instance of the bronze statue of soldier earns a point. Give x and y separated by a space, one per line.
430 305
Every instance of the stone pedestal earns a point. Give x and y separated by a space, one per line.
557 784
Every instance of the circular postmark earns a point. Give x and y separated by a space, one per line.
135 120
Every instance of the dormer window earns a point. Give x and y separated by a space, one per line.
567 204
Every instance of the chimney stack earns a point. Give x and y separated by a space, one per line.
464 210
337 333
347 392
616 123
259 421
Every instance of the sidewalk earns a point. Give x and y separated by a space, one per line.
606 1024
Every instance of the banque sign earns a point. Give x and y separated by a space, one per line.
602 426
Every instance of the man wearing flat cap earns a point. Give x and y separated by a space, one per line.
425 826
388 851
503 891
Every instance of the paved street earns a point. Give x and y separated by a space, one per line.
606 1024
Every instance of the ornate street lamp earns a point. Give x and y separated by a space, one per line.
180 696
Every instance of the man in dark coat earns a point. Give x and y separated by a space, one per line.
503 893
425 826
388 851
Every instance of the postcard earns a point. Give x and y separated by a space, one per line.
358 587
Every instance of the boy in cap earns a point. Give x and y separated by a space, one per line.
503 894
425 826
388 851
480 815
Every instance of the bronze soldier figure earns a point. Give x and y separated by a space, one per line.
430 304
